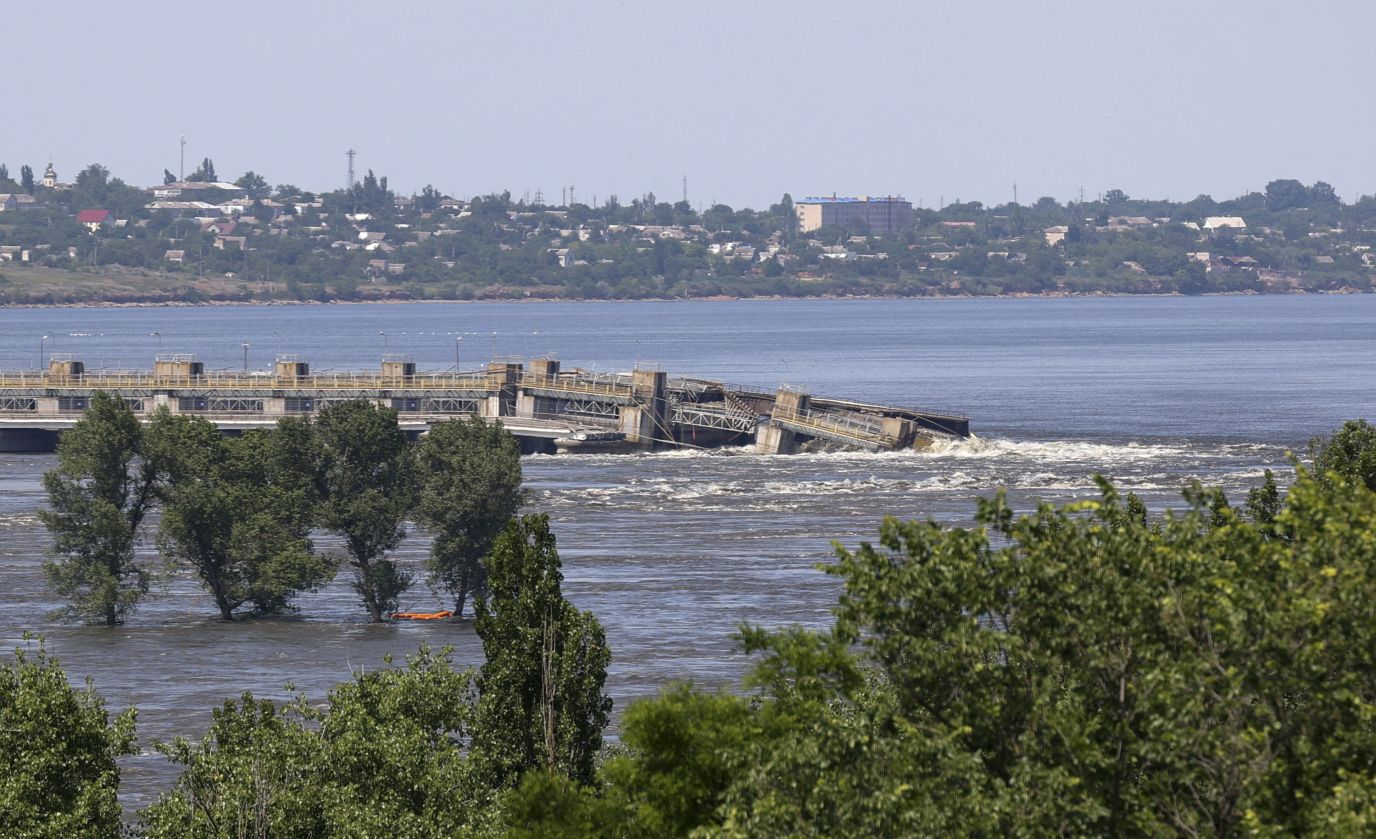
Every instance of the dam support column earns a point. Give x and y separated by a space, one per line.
902 432
543 371
646 423
502 380
772 438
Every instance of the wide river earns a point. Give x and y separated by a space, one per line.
673 551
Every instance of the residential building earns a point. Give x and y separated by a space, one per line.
214 192
93 220
886 214
1224 225
8 202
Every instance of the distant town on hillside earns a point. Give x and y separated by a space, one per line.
203 239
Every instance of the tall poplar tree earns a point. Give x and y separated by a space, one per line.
542 705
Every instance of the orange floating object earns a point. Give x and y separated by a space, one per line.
422 616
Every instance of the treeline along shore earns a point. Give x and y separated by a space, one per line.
1087 669
200 240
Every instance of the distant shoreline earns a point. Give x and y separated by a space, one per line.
211 304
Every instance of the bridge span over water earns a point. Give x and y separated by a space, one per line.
548 408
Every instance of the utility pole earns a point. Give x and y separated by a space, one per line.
350 154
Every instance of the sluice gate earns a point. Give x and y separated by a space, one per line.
548 408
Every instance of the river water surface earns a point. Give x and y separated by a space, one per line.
674 550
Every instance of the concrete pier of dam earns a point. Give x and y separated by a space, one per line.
548 408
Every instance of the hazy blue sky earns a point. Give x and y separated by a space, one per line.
749 99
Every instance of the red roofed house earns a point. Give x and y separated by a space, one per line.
94 219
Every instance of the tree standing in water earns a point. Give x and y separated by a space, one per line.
366 469
469 488
98 496
237 514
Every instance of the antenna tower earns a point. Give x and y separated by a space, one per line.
571 195
539 198
1015 192
181 166
350 154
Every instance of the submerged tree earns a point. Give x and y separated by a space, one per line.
366 471
469 479
542 705
238 511
57 753
98 496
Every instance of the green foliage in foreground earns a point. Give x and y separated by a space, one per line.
1075 671
381 759
57 753
422 751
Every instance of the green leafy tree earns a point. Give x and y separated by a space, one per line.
1286 194
254 185
26 178
236 516
542 705
168 177
205 173
429 199
383 756
1322 194
1349 453
366 472
469 489
1080 670
58 748
103 487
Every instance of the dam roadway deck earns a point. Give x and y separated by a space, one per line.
547 408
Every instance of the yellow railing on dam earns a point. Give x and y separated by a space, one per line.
140 380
